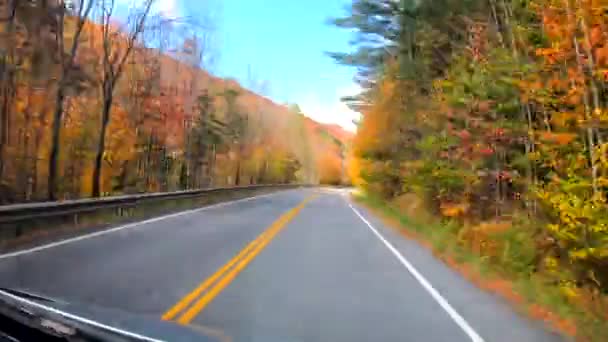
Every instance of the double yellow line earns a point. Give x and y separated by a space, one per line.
213 285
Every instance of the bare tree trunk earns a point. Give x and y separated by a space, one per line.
237 178
113 66
546 119
105 119
148 164
37 142
66 66
262 176
212 164
6 77
589 130
7 96
591 64
25 169
501 39
55 137
525 110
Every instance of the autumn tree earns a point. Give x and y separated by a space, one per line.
302 145
115 54
207 134
490 114
236 124
67 57
7 66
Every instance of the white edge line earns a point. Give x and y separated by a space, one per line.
462 323
128 226
78 318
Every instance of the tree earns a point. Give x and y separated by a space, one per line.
115 54
236 127
81 9
6 77
490 111
206 134
301 143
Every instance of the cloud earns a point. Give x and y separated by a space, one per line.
333 112
167 8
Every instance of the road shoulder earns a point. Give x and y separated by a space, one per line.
493 317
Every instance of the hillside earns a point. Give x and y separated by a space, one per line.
317 148
171 125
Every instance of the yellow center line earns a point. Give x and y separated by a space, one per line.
247 255
200 305
185 301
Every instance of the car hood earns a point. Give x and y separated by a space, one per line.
147 326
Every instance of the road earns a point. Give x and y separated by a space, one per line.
298 265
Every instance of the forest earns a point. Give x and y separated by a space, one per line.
97 102
492 116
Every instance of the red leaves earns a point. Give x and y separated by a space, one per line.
450 113
552 25
596 35
601 55
464 135
503 175
486 151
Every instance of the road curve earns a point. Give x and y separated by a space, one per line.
298 265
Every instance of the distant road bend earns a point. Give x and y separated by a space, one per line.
296 265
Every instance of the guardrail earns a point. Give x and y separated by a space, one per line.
17 220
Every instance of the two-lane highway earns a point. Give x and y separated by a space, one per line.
298 265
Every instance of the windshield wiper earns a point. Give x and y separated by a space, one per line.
22 318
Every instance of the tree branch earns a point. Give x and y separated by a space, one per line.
131 41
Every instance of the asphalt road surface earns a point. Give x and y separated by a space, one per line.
298 265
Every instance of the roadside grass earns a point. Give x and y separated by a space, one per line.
509 276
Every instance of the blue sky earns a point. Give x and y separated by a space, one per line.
280 43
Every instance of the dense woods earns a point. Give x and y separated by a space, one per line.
492 115
95 101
